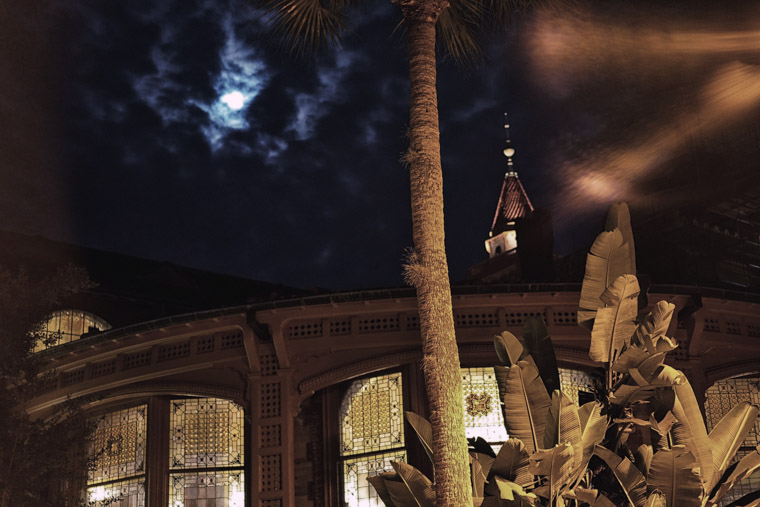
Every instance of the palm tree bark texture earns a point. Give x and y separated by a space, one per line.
428 270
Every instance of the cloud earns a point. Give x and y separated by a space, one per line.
312 106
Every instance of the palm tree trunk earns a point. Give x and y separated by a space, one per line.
428 270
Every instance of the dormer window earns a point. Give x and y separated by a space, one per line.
65 326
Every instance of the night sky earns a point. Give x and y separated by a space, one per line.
179 130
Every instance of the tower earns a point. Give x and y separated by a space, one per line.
513 204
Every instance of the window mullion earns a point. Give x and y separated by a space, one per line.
157 479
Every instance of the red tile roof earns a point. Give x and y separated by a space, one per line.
513 204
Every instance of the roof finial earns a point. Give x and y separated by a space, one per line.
509 152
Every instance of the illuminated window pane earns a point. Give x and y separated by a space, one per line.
207 489
719 400
69 325
357 492
483 416
372 415
118 445
117 494
206 433
573 381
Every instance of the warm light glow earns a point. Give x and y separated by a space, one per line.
509 152
234 100
98 494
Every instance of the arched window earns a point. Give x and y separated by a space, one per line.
720 398
203 439
206 453
119 459
371 435
65 326
483 416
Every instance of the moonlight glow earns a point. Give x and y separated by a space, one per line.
234 100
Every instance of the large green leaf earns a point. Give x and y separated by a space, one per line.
379 483
593 427
689 428
616 322
630 479
419 487
656 499
592 497
608 259
537 342
655 324
511 464
556 464
509 349
727 436
509 494
563 425
619 217
424 432
526 402
748 465
643 456
673 472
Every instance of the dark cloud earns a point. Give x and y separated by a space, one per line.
120 139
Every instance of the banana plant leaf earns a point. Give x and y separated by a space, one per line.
509 494
424 432
479 445
689 429
592 497
538 344
510 464
655 324
509 349
616 322
593 428
608 259
619 217
727 436
673 472
419 488
379 483
526 402
563 425
478 474
656 499
556 464
630 479
748 500
643 456
748 465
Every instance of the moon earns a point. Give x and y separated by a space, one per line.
234 100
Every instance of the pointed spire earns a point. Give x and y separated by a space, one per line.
509 152
513 200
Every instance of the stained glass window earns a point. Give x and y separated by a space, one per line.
372 435
719 400
69 325
206 453
118 450
483 416
574 382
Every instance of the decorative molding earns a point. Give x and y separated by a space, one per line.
178 388
736 369
352 370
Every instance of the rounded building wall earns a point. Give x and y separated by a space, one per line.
284 362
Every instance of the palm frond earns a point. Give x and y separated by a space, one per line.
458 34
304 25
